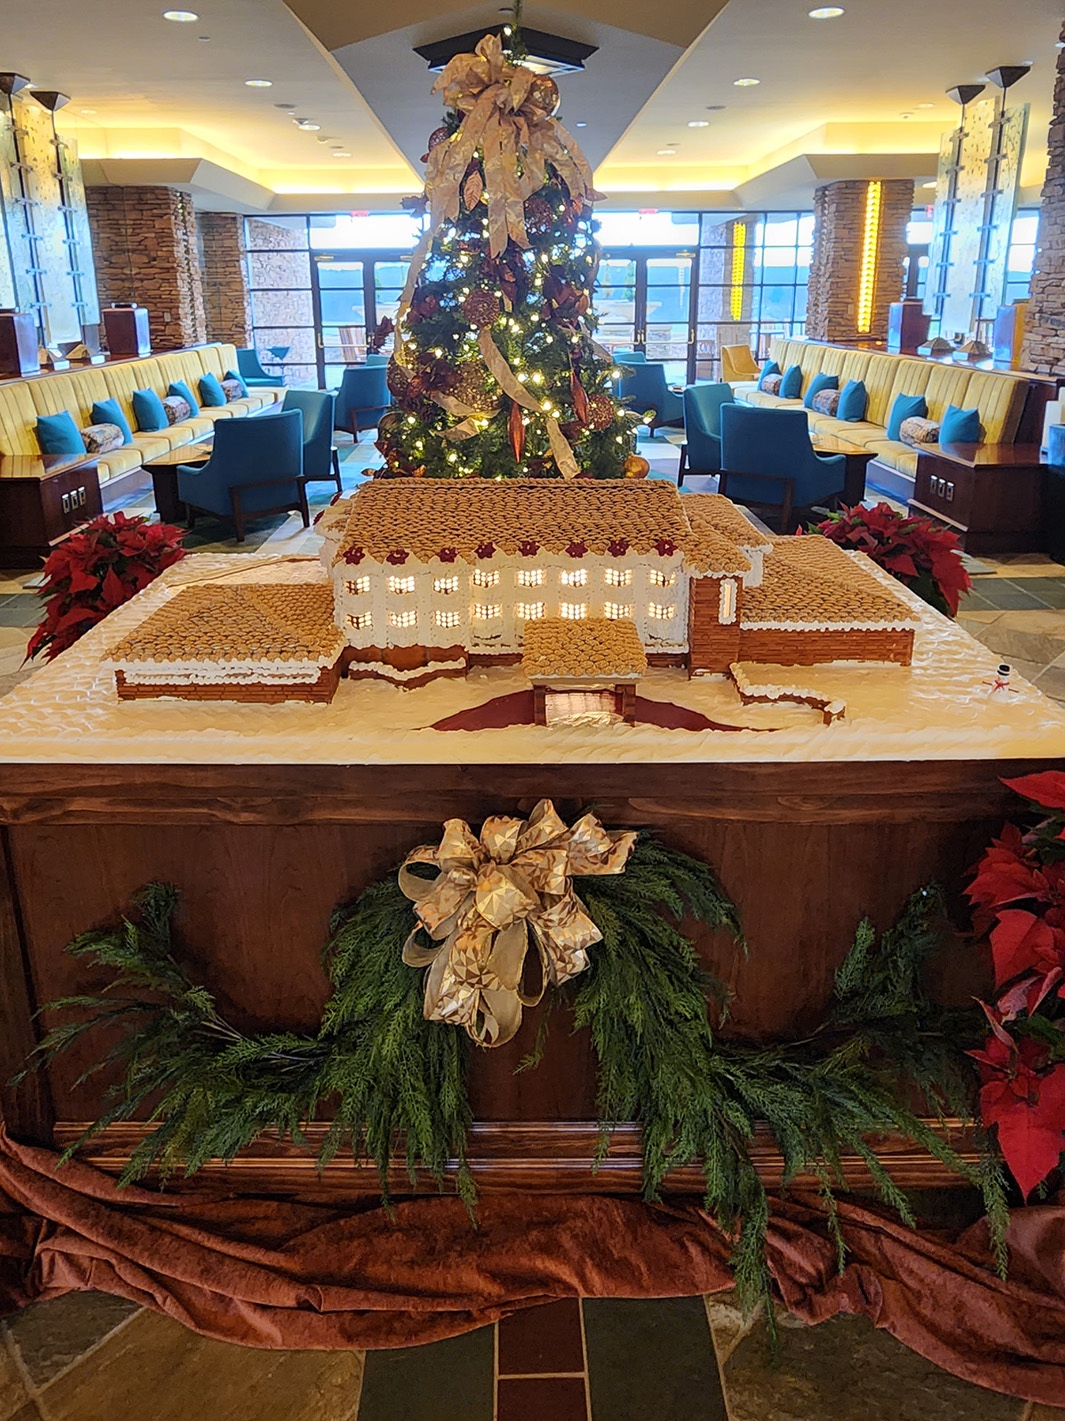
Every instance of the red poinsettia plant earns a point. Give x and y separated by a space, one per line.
1018 897
96 570
923 556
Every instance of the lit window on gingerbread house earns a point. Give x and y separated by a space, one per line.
618 611
485 579
727 601
401 584
573 611
577 578
529 611
487 611
618 577
357 586
446 585
359 620
661 611
661 579
448 619
530 577
403 619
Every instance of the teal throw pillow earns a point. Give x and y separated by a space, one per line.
181 389
960 426
110 412
769 368
58 434
852 402
232 375
905 407
211 392
820 382
791 385
148 411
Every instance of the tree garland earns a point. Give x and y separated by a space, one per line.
391 1083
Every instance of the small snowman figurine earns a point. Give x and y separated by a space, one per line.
1001 680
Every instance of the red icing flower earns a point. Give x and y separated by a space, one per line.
617 547
447 554
577 550
665 547
397 557
354 556
486 550
528 548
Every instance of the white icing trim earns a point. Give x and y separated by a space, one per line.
393 673
782 626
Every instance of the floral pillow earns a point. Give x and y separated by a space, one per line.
177 409
771 384
102 438
916 430
826 401
234 390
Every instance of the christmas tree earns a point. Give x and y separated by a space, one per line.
496 372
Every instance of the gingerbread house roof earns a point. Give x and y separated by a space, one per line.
391 519
215 624
811 582
593 647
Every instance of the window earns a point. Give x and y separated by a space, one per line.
403 619
487 611
282 304
575 579
531 577
357 586
360 620
617 611
446 585
529 611
661 612
661 579
447 619
573 611
726 609
485 579
618 577
401 584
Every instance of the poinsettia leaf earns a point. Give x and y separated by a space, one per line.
1031 1131
1021 942
1046 788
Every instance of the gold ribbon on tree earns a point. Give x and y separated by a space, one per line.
502 914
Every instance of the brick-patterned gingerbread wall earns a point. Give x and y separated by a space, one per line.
839 222
1044 325
225 277
145 249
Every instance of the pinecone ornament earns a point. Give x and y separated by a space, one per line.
472 387
397 378
481 308
600 411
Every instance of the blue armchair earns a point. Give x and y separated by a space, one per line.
255 468
701 452
631 357
362 398
376 357
320 458
643 387
252 373
767 458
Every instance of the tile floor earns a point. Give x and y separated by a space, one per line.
88 1357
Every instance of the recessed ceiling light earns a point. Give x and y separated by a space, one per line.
826 12
284 106
258 83
181 17
581 123
341 155
905 115
204 39
88 110
698 123
745 83
715 108
926 106
667 152
308 125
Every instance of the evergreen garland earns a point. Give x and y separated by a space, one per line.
390 1082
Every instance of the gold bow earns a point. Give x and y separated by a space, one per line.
490 892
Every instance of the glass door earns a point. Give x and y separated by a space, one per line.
644 303
341 316
615 304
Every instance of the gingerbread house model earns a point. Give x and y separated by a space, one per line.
431 576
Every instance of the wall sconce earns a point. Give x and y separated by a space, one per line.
870 251
739 262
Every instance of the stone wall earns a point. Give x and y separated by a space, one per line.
145 249
835 270
1044 327
225 277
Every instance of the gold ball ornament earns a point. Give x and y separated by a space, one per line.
470 387
601 411
636 467
543 92
481 308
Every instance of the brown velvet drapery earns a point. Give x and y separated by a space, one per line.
277 1273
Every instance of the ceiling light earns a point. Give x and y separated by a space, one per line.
88 110
667 152
284 106
341 155
180 17
308 125
545 53
905 115
581 123
698 123
926 106
826 12
745 83
715 108
258 83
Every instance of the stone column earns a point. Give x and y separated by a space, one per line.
840 215
225 277
1044 323
145 250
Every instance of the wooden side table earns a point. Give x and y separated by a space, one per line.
163 469
43 499
992 495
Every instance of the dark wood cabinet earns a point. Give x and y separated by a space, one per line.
43 498
992 495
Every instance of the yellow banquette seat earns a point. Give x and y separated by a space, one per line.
22 402
998 395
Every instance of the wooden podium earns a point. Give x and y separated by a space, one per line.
18 344
907 327
126 330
